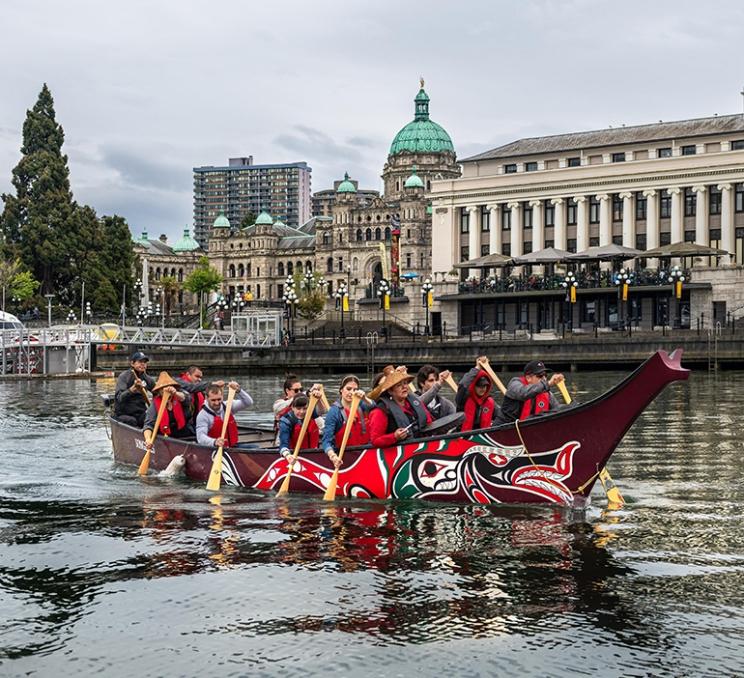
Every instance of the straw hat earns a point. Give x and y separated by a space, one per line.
390 377
164 379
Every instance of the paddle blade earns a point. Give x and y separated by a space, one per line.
613 493
285 485
144 464
564 392
451 383
215 474
330 493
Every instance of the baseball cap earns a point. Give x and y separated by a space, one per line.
536 367
138 355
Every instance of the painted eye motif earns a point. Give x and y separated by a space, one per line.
497 459
431 468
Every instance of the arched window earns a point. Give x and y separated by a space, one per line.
359 235
258 291
326 238
378 234
355 264
241 271
308 266
387 233
157 273
368 234
290 268
280 268
231 271
173 273
340 238
180 275
298 267
329 265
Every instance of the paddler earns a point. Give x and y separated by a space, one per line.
338 415
474 399
529 394
211 416
192 382
429 381
290 426
283 405
176 422
131 391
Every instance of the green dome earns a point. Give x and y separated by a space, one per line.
422 135
221 221
346 186
278 222
414 181
264 219
186 243
143 239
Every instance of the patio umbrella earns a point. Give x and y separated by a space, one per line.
682 249
487 261
549 255
606 253
409 276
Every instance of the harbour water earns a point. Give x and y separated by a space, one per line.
104 573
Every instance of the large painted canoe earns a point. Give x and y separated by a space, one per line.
553 458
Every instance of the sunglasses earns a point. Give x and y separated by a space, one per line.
295 390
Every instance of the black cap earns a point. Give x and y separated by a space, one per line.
536 367
138 355
483 381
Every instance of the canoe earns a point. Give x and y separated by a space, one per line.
553 458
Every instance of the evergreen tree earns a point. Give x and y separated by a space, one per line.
248 220
118 257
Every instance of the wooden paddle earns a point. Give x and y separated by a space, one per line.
451 383
215 474
298 445
330 493
611 490
145 463
486 366
323 398
141 389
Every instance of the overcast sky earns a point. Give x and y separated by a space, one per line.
146 89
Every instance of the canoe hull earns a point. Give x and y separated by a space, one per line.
554 458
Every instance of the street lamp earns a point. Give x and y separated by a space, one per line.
426 290
342 303
88 312
623 279
383 291
570 284
290 298
49 298
71 317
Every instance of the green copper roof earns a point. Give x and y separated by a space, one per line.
279 222
221 221
346 186
186 243
143 239
414 181
264 219
421 135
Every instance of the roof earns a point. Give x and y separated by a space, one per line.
186 243
154 246
413 181
421 135
221 221
346 186
244 168
264 219
575 141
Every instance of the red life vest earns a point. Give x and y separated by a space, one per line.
478 409
537 405
312 436
231 435
197 398
177 411
359 434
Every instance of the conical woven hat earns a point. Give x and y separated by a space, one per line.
164 379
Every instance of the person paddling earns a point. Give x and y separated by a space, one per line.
335 421
529 394
282 405
290 426
429 381
176 423
474 399
131 391
210 418
192 382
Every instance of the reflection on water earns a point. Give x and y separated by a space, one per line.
103 572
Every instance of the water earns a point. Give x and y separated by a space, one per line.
102 572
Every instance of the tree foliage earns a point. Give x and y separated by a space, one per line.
312 297
17 282
248 220
201 281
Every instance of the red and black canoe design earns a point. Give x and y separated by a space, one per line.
552 458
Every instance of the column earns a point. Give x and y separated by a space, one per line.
652 219
494 222
582 223
538 228
559 230
677 227
605 226
473 233
728 241
628 219
701 215
516 228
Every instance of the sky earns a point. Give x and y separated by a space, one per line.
148 89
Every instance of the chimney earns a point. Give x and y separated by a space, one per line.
164 239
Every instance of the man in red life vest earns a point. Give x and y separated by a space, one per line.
176 422
530 394
474 399
191 381
291 424
210 417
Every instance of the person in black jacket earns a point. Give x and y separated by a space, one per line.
131 391
530 394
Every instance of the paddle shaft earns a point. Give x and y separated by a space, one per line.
324 399
215 474
141 389
330 493
145 463
451 383
489 370
298 445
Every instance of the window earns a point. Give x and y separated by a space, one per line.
665 152
506 249
665 238
571 245
571 214
618 157
617 240
485 219
665 205
280 269
594 242
640 241
510 169
689 150
593 210
387 233
329 265
464 253
527 247
340 265
231 271
505 218
574 162
617 208
378 234
689 236
737 145
690 202
641 205
464 220
408 260
530 167
715 200
527 218
588 311
739 197
359 235
280 290
549 243
549 214
326 238
485 249
368 234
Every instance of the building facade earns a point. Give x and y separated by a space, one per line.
242 188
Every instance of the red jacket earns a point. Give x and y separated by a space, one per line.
478 410
380 425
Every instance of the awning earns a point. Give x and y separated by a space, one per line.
549 255
606 253
682 249
487 261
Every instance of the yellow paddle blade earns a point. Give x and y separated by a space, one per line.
564 392
284 486
330 493
215 475
613 493
144 464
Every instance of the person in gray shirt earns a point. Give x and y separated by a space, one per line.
529 394
429 381
210 418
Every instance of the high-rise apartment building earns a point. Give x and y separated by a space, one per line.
240 188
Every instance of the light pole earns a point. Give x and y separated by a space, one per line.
49 298
71 317
676 277
88 312
222 305
290 297
341 304
623 279
383 291
426 290
570 284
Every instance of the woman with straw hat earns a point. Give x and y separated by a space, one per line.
177 420
399 413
